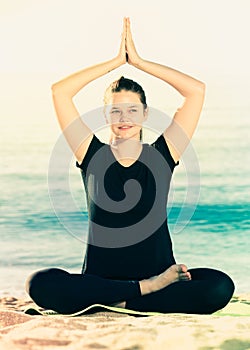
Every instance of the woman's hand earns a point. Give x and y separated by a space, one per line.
122 52
132 56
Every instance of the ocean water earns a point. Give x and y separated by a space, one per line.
209 209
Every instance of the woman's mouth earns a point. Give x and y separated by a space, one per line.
125 127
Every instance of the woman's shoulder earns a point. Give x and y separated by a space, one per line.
94 145
161 145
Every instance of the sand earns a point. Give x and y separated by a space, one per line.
109 330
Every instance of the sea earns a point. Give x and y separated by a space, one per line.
209 207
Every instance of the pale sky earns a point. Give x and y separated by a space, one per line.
43 41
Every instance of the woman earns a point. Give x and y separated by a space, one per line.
129 261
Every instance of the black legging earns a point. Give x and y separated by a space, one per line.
55 289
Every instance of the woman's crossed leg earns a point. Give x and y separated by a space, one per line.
199 291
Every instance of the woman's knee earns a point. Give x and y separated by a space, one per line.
46 288
37 282
226 288
218 288
220 292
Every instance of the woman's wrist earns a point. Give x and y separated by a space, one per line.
119 61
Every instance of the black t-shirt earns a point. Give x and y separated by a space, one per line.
128 235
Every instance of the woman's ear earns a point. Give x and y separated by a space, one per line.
105 115
146 110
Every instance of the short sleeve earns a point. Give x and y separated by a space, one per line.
94 146
161 145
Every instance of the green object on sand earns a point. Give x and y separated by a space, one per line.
90 310
234 308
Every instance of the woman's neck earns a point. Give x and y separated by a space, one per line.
126 151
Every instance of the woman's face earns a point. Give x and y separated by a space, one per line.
125 114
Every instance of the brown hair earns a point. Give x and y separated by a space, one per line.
127 85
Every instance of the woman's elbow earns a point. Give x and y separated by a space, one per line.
55 88
201 87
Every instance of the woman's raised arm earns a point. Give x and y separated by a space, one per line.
185 120
76 132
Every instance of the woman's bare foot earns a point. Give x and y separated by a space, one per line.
174 273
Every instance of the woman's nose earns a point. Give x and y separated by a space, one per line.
123 116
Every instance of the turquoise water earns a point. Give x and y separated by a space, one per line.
212 215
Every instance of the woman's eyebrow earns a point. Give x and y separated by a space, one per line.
125 104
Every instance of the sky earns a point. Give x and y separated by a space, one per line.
43 41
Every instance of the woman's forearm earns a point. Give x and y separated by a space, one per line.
72 84
183 125
183 83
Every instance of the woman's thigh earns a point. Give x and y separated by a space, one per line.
64 292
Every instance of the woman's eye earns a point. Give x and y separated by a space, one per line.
133 111
115 111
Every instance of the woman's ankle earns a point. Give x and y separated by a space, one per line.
146 286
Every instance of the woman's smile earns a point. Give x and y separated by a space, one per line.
125 127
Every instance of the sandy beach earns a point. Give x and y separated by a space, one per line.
109 330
